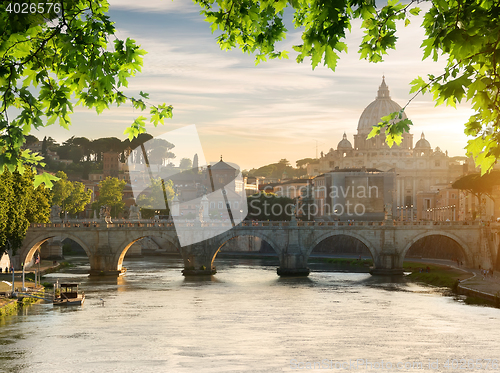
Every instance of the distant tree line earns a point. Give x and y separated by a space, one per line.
87 155
282 169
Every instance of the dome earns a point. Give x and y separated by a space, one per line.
344 143
382 106
422 143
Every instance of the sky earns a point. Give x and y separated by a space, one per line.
256 115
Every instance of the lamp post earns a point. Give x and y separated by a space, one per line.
411 212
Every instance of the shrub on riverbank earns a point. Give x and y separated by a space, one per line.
7 306
441 276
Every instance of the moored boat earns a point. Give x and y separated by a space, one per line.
69 296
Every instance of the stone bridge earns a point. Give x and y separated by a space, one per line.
388 242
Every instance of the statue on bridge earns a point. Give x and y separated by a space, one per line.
199 218
134 212
105 214
55 214
388 211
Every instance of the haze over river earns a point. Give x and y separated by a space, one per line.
247 319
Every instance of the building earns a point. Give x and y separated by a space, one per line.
110 164
417 168
195 188
354 194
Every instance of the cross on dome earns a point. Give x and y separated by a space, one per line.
383 90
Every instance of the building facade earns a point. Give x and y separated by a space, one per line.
417 168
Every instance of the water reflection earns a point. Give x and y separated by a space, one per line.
243 319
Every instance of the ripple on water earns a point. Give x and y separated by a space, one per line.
244 319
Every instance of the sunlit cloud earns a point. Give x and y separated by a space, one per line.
260 114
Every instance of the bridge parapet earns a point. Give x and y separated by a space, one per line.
388 241
151 224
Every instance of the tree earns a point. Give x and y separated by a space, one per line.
195 162
78 199
153 198
84 144
70 196
53 56
478 184
30 139
61 190
464 32
110 194
20 205
305 161
185 164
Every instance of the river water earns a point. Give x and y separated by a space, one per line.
247 319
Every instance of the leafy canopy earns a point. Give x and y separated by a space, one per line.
20 205
51 61
110 194
478 184
465 32
70 195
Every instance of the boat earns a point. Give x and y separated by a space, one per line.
69 296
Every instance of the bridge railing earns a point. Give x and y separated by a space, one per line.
169 224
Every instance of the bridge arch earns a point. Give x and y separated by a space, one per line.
463 246
120 254
231 234
29 249
355 235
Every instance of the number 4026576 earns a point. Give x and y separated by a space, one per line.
33 8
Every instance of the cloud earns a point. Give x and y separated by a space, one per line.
155 6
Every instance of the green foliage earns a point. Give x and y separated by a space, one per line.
464 32
257 26
305 161
71 196
185 164
276 170
21 204
156 197
110 194
50 61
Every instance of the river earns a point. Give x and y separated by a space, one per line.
247 319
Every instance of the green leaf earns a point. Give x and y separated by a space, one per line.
415 11
46 179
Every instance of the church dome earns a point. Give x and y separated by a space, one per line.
422 143
382 106
344 143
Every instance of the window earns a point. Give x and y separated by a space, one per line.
437 163
220 205
212 205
